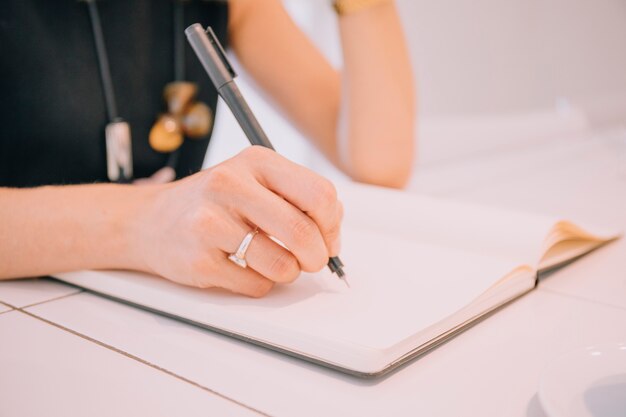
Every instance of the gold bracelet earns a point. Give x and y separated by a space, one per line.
343 7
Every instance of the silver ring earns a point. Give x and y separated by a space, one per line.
239 257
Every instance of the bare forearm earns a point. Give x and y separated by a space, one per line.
183 231
378 104
53 229
362 119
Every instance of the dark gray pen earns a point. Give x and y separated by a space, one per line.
214 60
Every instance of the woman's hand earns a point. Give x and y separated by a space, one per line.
184 230
162 176
189 227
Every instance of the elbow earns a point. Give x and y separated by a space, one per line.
382 156
391 171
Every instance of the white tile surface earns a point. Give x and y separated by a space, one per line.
493 369
50 372
24 292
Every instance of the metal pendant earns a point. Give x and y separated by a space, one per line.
119 152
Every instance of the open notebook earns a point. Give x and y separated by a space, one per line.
420 270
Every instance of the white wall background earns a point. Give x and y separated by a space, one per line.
490 75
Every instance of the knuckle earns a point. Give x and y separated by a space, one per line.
284 268
219 178
324 192
255 152
333 232
303 232
340 211
205 218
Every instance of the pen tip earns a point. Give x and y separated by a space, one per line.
345 279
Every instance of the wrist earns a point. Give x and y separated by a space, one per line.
133 225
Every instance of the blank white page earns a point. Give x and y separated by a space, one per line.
398 288
485 230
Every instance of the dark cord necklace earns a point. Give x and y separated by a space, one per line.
117 131
185 116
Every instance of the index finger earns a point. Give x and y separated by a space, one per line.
311 193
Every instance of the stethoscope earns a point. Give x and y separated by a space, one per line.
185 116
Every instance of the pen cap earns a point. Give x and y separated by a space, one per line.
211 54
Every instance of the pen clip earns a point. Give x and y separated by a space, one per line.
220 51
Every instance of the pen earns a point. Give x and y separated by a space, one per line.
213 58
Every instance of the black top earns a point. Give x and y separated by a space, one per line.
52 108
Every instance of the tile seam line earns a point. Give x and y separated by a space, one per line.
8 305
60 297
142 361
581 298
78 291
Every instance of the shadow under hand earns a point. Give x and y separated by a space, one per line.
281 295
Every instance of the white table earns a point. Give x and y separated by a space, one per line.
67 352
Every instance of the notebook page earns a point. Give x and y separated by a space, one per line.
500 233
398 288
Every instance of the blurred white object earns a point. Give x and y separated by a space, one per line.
586 383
